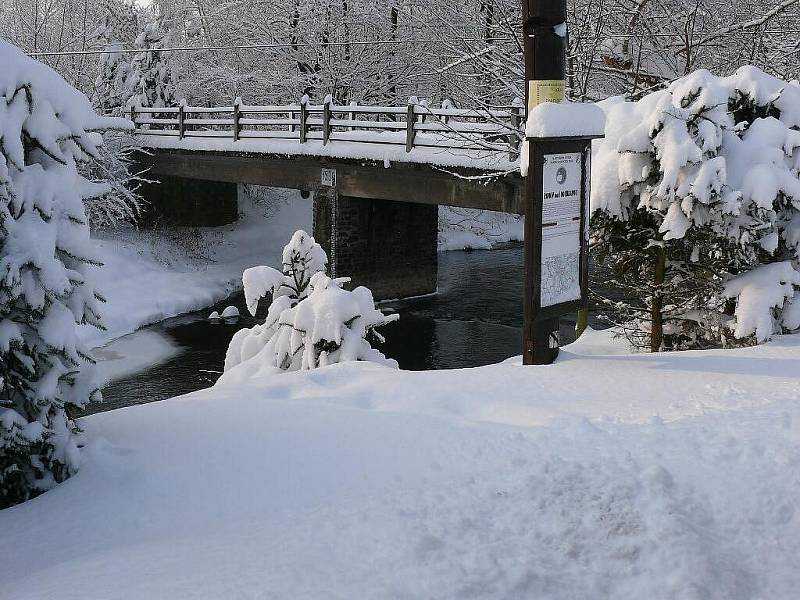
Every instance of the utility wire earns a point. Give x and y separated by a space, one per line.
258 46
356 43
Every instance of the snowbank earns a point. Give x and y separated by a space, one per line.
603 476
148 277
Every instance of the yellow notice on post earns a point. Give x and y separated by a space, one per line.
545 90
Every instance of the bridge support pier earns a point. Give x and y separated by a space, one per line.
389 247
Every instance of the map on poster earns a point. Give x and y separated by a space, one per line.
561 228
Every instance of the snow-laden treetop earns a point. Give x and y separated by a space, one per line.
747 122
60 112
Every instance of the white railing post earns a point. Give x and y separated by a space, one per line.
426 105
352 115
447 104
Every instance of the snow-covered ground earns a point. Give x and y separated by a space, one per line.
606 475
467 228
149 275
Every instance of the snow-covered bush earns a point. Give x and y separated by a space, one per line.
151 79
692 185
46 129
766 299
115 165
312 321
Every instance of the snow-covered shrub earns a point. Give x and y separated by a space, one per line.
312 321
692 185
116 166
46 129
151 79
766 300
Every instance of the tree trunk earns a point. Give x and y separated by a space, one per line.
657 319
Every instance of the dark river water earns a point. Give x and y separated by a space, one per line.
474 319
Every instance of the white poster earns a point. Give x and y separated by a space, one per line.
561 228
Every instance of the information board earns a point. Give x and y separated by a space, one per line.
561 229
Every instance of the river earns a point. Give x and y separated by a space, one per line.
474 319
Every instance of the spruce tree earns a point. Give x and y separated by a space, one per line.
46 129
117 31
151 80
695 185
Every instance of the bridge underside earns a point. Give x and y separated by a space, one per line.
378 223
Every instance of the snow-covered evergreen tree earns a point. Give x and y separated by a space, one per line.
115 163
114 66
112 74
691 186
312 321
46 129
151 80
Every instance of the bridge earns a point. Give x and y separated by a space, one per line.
377 173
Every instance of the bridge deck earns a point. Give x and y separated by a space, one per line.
413 153
467 181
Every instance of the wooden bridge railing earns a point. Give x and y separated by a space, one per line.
416 125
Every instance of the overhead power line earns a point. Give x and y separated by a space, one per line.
261 46
275 46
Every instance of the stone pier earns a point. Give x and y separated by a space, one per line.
389 247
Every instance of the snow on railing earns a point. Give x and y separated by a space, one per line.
416 125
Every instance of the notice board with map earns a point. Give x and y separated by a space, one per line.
561 228
556 266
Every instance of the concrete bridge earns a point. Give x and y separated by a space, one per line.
377 174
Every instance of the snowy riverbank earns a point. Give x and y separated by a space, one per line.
604 476
471 229
149 276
